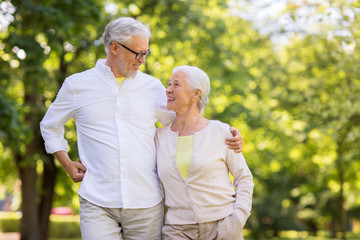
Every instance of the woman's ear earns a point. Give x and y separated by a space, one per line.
197 94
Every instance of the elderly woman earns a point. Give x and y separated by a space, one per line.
194 162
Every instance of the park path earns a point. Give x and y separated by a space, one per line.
9 236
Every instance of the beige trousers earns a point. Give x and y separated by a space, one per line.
224 229
99 223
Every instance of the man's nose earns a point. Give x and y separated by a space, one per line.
142 59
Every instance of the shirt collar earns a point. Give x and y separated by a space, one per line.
106 70
102 68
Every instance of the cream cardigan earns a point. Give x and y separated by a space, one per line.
207 194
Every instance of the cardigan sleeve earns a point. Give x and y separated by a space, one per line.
243 182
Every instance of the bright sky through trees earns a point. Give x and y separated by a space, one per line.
6 14
281 19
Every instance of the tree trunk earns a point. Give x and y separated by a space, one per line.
35 215
313 228
36 206
343 219
29 227
48 185
333 226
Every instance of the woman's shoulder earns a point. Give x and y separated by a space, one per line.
165 129
219 126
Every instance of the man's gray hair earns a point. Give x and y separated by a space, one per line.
197 79
122 29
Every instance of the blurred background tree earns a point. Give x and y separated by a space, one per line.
39 52
284 73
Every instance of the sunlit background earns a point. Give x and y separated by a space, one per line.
286 73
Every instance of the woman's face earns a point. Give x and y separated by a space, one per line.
179 95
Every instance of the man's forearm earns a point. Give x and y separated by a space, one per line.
76 170
63 158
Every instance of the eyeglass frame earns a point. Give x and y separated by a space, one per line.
137 54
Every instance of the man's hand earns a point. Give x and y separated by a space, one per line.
235 142
76 170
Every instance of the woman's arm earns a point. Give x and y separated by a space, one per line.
243 181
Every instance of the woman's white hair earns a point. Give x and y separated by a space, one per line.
197 79
122 29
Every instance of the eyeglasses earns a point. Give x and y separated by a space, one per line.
138 55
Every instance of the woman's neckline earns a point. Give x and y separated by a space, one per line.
205 125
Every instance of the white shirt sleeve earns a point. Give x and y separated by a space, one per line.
58 114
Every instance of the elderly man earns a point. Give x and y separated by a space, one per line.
115 107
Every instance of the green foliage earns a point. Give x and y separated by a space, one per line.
9 122
54 40
11 130
307 94
296 104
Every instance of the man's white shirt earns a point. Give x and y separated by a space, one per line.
115 134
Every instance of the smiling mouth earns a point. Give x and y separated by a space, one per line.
170 99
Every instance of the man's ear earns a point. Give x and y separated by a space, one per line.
114 48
